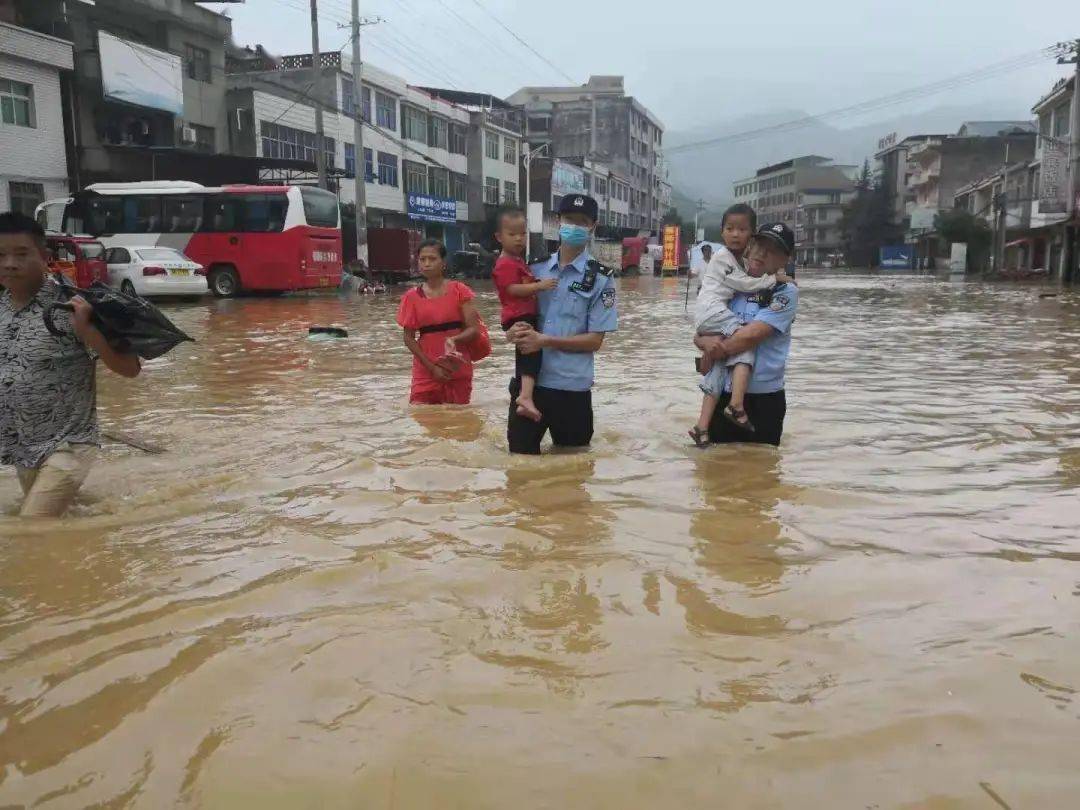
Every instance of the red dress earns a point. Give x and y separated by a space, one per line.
437 319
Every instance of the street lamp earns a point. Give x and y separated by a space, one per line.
528 180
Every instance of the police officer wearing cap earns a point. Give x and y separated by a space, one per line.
573 319
768 317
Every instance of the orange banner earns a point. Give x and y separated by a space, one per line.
671 247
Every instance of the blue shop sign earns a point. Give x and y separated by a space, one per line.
431 209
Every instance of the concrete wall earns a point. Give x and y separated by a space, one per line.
965 160
34 154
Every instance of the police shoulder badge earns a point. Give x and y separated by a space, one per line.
779 303
608 297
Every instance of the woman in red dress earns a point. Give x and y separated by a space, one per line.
439 319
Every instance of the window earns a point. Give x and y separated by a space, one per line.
181 214
285 142
491 145
491 190
204 138
385 111
198 63
438 182
369 166
320 207
1061 120
438 133
414 124
1044 123
587 182
142 214
461 187
457 139
510 192
510 151
601 187
539 124
25 197
350 160
104 215
16 103
117 256
365 103
415 176
388 169
348 104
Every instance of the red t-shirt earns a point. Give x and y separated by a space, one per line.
512 270
417 311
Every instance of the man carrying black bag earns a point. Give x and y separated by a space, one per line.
48 393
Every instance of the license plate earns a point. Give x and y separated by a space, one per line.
180 272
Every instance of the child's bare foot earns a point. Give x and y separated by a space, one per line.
527 408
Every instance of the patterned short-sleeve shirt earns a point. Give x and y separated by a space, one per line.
48 393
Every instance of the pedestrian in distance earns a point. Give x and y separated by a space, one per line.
723 278
439 322
48 391
768 316
573 319
517 291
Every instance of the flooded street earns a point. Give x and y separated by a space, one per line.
318 598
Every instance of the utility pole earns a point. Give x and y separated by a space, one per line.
1072 250
697 217
359 164
316 65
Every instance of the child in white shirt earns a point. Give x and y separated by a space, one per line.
722 279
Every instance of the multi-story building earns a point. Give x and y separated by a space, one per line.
428 163
1050 181
894 172
942 166
148 96
598 121
33 159
980 199
495 152
807 194
818 234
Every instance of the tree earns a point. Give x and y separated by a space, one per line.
866 225
960 225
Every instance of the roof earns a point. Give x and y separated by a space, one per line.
994 129
466 98
1060 89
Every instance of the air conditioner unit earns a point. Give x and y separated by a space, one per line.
187 134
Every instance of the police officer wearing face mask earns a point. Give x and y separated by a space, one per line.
573 319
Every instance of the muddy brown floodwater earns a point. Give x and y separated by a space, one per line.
318 598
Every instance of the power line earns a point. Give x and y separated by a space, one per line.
539 55
990 71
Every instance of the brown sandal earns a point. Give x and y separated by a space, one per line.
700 437
738 417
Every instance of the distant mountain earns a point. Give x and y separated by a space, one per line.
710 172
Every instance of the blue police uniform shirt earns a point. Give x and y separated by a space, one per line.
772 353
570 310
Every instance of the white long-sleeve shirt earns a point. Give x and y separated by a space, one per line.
723 278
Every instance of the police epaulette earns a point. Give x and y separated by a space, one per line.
603 270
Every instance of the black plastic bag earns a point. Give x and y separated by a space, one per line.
130 324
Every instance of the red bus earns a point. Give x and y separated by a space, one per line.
249 238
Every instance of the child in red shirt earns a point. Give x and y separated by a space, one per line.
517 293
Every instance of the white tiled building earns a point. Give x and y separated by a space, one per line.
33 158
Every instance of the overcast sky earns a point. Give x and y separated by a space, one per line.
697 62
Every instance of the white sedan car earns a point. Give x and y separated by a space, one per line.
148 271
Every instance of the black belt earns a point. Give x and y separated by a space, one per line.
441 327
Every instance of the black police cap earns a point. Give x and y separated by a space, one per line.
779 234
579 204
